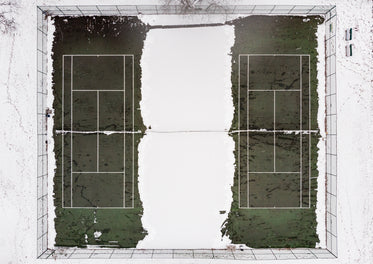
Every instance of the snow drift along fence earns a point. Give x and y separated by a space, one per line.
45 250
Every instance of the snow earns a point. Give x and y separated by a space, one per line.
321 202
97 234
18 135
185 178
50 124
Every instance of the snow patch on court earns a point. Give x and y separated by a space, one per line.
97 234
185 178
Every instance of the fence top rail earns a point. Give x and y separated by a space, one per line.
180 9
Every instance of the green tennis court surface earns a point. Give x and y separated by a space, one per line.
274 131
98 127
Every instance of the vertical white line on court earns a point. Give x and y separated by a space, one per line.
239 129
62 119
98 134
274 130
300 134
124 134
309 129
247 134
133 129
72 129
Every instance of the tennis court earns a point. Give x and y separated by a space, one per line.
274 131
98 131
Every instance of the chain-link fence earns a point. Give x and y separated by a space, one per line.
331 137
42 169
329 12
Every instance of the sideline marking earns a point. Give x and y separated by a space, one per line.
239 133
247 135
63 141
300 136
133 129
309 127
98 134
124 134
71 135
274 130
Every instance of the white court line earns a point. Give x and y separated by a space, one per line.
96 172
71 135
62 119
239 134
274 131
309 128
97 55
265 55
277 172
277 90
300 136
247 135
133 128
98 90
77 207
274 208
124 128
98 134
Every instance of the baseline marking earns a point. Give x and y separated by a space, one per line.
277 172
98 90
265 55
98 55
277 90
96 172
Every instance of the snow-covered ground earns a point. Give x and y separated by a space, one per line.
18 134
320 205
185 178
